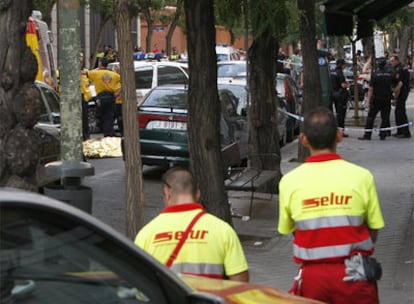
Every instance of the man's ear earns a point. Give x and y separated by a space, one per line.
304 140
339 135
166 195
197 195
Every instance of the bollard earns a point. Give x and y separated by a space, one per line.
70 190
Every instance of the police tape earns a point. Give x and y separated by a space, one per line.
300 118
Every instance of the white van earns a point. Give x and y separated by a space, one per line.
226 53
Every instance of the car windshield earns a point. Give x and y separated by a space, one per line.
166 98
230 70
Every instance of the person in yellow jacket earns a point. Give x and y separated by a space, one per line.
108 86
86 96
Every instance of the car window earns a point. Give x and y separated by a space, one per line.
280 87
171 75
230 70
51 99
222 57
67 262
49 105
239 93
143 77
166 98
44 113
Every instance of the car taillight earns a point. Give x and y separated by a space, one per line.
155 121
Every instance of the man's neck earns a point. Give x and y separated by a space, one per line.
321 151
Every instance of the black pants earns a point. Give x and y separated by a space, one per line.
401 113
85 120
383 106
107 101
118 117
340 99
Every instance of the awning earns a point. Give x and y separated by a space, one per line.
339 14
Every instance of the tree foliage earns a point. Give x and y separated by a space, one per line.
399 27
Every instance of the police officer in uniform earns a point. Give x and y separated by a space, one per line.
340 93
401 90
379 95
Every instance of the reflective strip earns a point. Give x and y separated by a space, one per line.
331 251
213 270
331 221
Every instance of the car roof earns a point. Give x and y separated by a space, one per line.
231 62
140 63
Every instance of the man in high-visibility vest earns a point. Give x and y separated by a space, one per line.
331 206
211 249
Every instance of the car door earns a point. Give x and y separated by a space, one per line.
48 129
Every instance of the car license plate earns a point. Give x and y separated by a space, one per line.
166 124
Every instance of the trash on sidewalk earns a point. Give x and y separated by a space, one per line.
102 147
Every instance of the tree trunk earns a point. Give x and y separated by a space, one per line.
312 90
150 24
71 108
20 100
98 42
204 108
134 193
172 27
264 149
404 43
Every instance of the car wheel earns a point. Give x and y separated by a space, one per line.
290 129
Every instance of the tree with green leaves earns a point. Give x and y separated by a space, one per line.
399 26
148 9
268 20
104 8
173 21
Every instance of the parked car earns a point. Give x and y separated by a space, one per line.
239 88
290 97
148 75
52 252
226 53
49 129
289 93
162 120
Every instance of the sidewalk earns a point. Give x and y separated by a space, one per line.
392 164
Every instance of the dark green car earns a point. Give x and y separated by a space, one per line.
163 125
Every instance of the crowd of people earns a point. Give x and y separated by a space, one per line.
386 86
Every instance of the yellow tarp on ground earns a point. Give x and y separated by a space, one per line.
102 147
